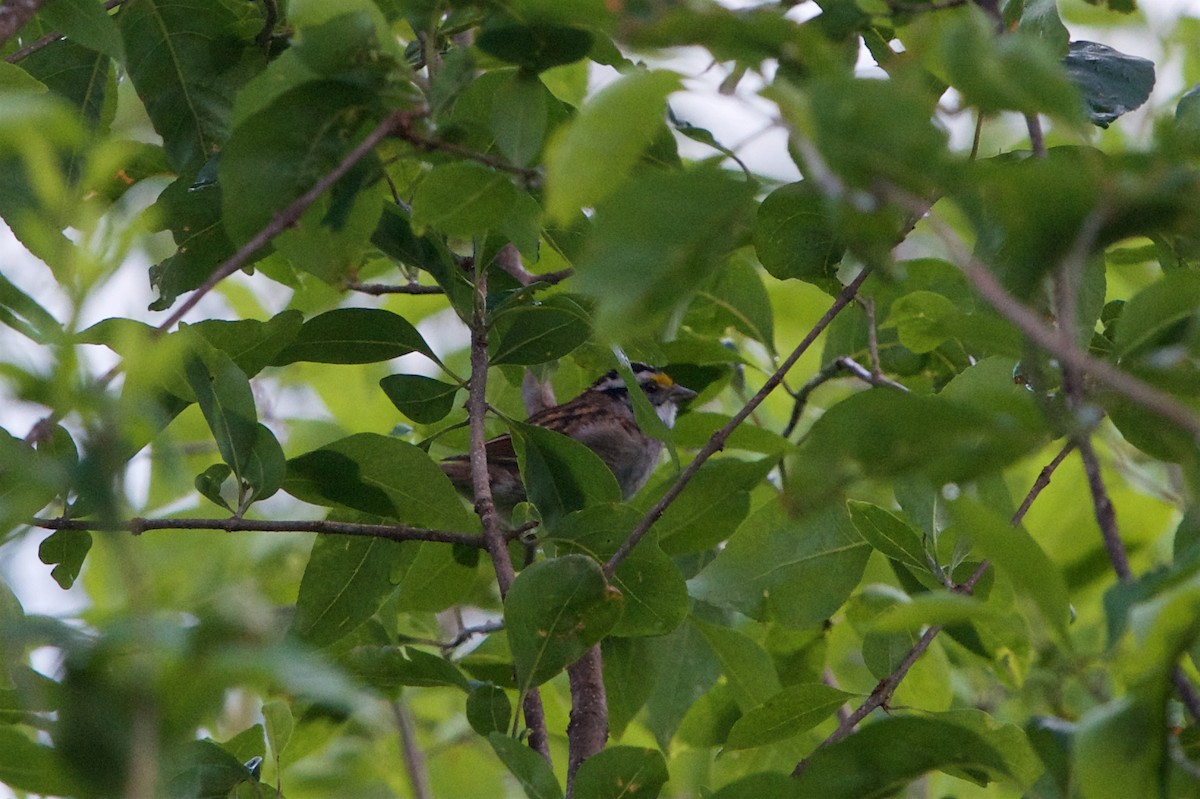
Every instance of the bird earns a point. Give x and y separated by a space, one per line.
601 418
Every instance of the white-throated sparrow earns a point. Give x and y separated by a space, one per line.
600 418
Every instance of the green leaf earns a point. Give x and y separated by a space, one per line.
422 399
1112 82
887 434
225 398
380 476
210 481
892 752
711 507
1156 316
1119 748
790 712
926 609
266 465
614 128
433 577
794 237
561 475
1005 73
530 768
279 152
279 724
353 335
746 665
390 667
186 59
534 48
23 314
29 766
656 598
488 709
345 582
658 232
463 199
207 771
685 668
764 785
81 75
253 345
735 297
538 332
1015 554
797 571
621 772
190 207
519 117
889 534
555 611
924 320
65 551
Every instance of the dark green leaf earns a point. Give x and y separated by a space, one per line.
488 709
87 23
538 332
1112 82
251 344
684 669
797 571
735 297
65 551
555 611
534 48
614 128
81 75
208 772
210 481
889 534
530 768
711 507
656 598
433 577
621 772
345 582
224 396
353 335
187 58
463 199
794 238
23 314
1016 554
561 475
658 232
422 399
792 711
190 207
519 117
746 665
280 151
379 476
1119 746
892 752
266 465
390 667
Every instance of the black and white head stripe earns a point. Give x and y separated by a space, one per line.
656 383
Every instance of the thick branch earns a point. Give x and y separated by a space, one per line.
494 539
392 532
717 441
587 731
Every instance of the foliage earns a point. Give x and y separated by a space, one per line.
965 493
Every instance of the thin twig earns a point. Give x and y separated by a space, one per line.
828 372
1042 481
1037 139
868 304
379 289
406 132
879 697
414 758
494 539
47 40
717 441
1187 692
391 532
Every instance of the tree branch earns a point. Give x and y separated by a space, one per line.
14 14
1030 323
379 289
392 532
717 441
828 372
406 132
587 731
414 758
494 540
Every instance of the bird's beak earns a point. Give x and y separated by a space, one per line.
680 394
